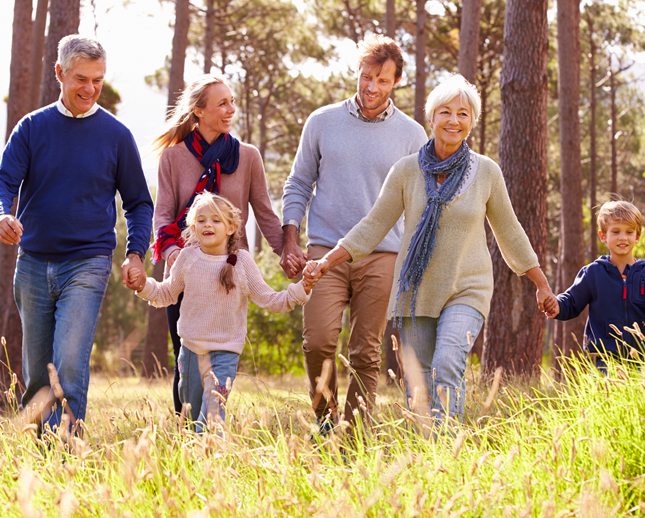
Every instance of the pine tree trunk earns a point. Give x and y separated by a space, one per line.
613 126
593 179
18 104
572 236
390 18
179 44
155 350
469 39
514 331
37 51
64 16
209 36
420 60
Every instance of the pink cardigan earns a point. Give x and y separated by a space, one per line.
178 173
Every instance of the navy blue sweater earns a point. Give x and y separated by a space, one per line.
611 300
68 172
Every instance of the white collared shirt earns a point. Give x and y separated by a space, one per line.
61 108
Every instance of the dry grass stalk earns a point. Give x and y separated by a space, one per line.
494 388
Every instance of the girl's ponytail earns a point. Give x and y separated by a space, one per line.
226 277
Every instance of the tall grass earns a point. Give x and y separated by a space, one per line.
538 449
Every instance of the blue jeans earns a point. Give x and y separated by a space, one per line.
435 353
204 383
59 304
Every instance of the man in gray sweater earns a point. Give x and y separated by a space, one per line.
345 153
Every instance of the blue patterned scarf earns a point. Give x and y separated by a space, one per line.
423 242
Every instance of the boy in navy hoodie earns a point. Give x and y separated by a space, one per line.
612 286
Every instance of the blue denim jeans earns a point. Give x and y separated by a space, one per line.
435 351
204 383
59 304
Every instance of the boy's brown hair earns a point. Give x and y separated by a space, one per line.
620 212
377 49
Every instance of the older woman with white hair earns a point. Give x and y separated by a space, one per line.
444 269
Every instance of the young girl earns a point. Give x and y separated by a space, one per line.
217 279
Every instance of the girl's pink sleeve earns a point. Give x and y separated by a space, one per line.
162 294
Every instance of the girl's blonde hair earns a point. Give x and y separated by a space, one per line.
229 214
182 118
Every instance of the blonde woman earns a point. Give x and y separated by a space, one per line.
198 154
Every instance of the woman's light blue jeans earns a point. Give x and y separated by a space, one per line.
204 383
59 304
435 351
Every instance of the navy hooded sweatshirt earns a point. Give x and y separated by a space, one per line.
611 300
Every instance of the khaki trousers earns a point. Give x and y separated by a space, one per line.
365 287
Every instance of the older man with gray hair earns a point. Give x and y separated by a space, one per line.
66 162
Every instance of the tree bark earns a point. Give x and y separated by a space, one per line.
179 44
209 36
37 51
613 126
420 60
593 179
18 104
469 39
513 337
390 18
572 236
64 16
155 350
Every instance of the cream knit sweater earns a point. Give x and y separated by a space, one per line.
460 270
212 320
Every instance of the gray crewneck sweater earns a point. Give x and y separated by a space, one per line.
347 161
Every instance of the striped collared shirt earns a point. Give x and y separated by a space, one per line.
355 109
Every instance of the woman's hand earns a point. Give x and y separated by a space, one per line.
547 302
173 257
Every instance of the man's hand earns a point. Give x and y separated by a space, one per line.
10 229
132 261
293 259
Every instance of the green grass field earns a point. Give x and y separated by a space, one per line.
539 450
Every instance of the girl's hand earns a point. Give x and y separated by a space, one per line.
137 279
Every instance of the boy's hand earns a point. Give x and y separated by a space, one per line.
552 309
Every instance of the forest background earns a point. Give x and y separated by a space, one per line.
562 94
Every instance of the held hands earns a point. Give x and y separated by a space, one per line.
547 302
136 278
293 259
10 229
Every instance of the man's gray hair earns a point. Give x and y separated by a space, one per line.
455 86
73 47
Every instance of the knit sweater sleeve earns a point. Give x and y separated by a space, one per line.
266 297
165 205
370 231
511 238
299 186
14 165
268 221
162 294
